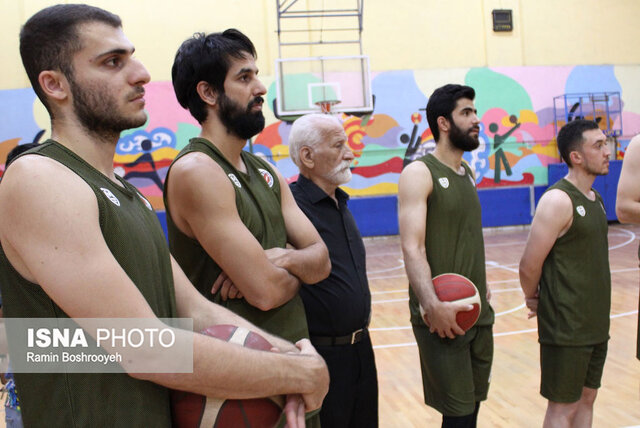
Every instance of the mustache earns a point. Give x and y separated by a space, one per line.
253 102
137 91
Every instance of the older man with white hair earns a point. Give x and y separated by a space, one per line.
339 307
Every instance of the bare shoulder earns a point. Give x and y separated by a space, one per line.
555 206
415 177
190 173
35 181
632 153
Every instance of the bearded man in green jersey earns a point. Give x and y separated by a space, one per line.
441 232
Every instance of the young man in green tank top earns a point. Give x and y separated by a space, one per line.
77 241
628 198
565 276
441 232
233 223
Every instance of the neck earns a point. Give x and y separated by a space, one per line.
97 150
328 187
449 155
230 145
582 180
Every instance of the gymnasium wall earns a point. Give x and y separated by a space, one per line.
555 48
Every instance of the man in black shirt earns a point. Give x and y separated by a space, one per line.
339 307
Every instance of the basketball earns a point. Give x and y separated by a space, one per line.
451 287
194 411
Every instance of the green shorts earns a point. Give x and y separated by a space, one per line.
567 369
455 372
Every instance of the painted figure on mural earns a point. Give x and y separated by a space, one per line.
498 141
145 158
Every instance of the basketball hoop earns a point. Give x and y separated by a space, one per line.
325 105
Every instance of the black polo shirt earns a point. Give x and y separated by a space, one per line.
340 304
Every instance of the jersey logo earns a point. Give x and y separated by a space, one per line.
267 176
146 202
444 182
110 196
581 210
235 180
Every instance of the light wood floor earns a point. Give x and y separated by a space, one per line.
514 399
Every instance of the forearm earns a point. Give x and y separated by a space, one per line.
230 371
310 264
419 274
529 280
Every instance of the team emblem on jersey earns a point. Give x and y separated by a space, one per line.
267 176
110 196
146 202
581 210
235 180
444 182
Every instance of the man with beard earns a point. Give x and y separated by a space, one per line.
338 308
78 241
233 226
441 232
565 277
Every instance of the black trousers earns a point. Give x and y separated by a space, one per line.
352 401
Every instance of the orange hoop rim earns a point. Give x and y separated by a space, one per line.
325 105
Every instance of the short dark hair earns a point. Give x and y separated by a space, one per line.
206 58
570 137
442 103
49 39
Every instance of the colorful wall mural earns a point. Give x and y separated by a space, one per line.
515 104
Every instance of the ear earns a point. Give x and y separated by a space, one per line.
306 157
207 93
54 84
576 157
443 123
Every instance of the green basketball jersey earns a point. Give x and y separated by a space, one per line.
133 233
258 203
575 287
453 240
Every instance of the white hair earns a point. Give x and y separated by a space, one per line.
308 131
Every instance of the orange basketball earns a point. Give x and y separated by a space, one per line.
451 287
193 410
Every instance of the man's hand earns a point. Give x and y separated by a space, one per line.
227 288
319 376
294 411
442 318
276 255
532 304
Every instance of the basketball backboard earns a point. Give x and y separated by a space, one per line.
303 84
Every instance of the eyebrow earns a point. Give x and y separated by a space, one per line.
117 51
244 70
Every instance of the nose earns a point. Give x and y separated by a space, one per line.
139 73
260 89
348 154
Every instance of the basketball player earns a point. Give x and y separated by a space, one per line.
441 232
339 307
628 198
230 214
77 241
564 273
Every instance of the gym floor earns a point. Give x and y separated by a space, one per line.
514 399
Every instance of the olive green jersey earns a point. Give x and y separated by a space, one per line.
133 233
453 241
575 287
259 207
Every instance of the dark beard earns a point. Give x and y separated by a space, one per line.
97 111
462 140
243 123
